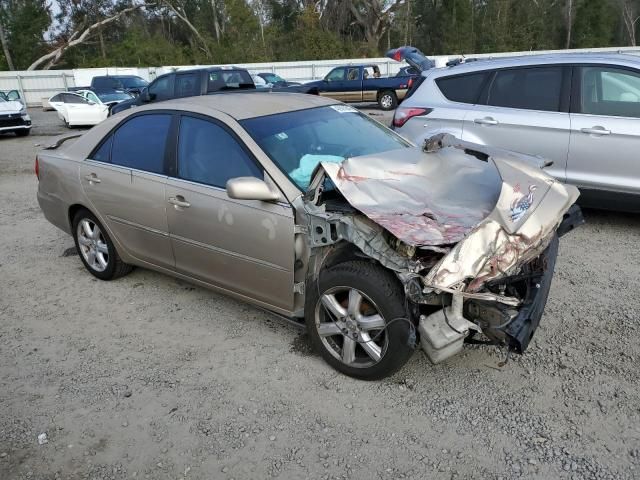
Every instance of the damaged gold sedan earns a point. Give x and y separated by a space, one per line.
308 208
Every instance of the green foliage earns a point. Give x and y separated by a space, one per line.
25 22
596 25
237 31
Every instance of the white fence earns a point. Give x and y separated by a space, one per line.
36 85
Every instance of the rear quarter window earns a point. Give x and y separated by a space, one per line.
140 143
462 88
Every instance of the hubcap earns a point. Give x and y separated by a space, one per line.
386 101
351 327
93 247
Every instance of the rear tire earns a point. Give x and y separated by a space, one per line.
357 320
387 100
95 248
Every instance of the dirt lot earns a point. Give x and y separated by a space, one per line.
149 377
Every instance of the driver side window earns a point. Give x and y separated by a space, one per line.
336 75
161 88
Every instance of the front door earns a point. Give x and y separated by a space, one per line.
124 180
605 131
241 246
344 83
525 110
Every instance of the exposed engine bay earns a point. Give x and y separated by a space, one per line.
470 231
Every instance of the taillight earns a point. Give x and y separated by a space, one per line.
402 115
37 169
409 83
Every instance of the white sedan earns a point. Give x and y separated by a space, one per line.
105 98
74 110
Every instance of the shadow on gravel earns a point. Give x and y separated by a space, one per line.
609 217
301 344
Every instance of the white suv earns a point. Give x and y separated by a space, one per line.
582 111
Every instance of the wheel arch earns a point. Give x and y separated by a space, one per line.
73 210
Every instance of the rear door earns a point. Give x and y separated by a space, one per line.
125 180
605 131
241 246
525 109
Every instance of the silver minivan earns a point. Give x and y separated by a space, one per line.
582 111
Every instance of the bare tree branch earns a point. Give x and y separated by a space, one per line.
77 38
183 16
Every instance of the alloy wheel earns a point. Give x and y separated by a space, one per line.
92 244
351 327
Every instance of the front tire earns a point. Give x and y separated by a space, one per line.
22 133
357 320
96 250
387 100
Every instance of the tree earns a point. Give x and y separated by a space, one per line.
22 27
375 17
630 17
76 38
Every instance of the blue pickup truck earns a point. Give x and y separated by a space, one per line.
363 83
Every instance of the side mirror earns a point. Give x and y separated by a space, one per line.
145 96
91 102
251 188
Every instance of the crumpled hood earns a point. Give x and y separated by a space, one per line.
423 199
10 107
498 207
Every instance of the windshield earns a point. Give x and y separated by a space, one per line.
133 82
273 78
298 141
113 97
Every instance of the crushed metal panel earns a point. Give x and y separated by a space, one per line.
422 199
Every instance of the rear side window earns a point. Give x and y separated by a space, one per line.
209 154
75 99
610 91
462 88
186 85
229 80
140 143
537 88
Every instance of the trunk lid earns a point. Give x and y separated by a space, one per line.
412 56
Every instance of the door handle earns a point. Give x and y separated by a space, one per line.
92 178
178 202
596 131
486 121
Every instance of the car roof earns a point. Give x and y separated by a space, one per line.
545 59
249 104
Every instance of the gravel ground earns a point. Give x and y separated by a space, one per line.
150 377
